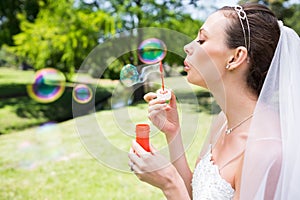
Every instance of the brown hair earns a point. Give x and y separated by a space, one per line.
264 36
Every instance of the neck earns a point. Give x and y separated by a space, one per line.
236 102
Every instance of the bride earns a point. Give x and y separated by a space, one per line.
248 61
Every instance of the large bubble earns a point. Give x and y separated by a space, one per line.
152 50
82 93
48 86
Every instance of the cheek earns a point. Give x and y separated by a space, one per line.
207 65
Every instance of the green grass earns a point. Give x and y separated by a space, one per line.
52 163
15 76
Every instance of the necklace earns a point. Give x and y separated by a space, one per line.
229 130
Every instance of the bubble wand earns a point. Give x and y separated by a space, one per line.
161 69
151 51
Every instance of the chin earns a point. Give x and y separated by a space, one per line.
197 81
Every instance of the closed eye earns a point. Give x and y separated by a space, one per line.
200 41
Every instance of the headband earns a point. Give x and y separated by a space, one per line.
243 17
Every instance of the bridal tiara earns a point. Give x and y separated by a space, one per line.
243 17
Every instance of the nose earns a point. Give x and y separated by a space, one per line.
188 48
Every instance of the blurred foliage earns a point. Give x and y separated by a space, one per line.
7 58
61 36
136 14
286 11
9 23
293 21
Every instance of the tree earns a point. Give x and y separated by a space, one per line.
293 21
132 14
61 36
9 23
137 14
284 10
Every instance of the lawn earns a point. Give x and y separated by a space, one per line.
52 162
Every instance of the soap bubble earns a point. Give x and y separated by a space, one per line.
48 86
129 75
42 147
82 93
152 50
27 149
49 141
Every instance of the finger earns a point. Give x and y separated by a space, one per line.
160 114
133 157
135 169
139 150
131 150
156 101
153 149
156 107
130 164
134 163
173 100
149 96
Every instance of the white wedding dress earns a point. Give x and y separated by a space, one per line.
207 182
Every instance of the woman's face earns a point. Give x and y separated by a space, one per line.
208 55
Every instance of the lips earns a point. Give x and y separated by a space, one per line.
186 66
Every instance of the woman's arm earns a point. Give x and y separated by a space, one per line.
165 117
176 189
178 159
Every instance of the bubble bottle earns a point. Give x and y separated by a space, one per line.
142 135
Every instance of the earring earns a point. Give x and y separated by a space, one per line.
227 66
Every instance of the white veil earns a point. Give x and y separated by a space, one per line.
271 167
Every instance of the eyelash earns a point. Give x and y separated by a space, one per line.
200 41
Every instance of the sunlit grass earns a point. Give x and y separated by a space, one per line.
53 163
15 76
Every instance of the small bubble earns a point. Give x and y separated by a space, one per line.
129 75
82 93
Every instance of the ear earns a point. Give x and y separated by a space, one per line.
238 58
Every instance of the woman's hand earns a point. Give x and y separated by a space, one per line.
163 115
155 169
150 167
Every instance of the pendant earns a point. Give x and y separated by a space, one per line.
228 131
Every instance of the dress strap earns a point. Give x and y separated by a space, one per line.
232 159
